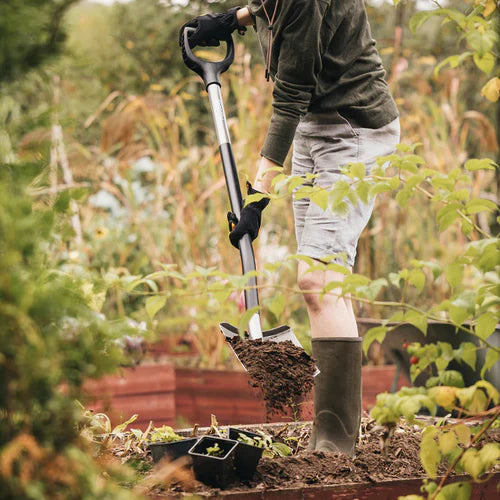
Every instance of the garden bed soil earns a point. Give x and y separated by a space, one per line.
292 476
283 372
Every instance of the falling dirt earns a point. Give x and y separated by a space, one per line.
282 371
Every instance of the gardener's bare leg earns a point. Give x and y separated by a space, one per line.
330 315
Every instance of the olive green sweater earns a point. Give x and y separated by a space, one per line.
323 60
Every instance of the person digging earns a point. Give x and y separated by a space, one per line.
331 101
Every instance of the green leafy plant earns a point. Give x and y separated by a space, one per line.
272 448
214 451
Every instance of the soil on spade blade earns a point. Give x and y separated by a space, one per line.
282 371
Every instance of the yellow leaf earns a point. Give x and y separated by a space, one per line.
444 396
491 90
489 7
463 434
156 87
447 442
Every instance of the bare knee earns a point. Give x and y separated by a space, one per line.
311 288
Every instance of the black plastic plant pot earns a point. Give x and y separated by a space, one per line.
214 470
172 450
247 456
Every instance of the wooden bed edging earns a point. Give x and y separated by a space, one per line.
384 490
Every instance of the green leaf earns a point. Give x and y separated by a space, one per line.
154 304
358 170
489 455
463 433
490 390
455 491
485 63
251 198
404 196
447 215
374 334
243 323
480 205
481 42
417 319
418 19
491 358
320 198
485 325
483 164
363 191
277 305
417 279
472 464
452 378
447 442
430 457
468 354
121 427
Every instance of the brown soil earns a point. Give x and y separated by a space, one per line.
372 464
282 371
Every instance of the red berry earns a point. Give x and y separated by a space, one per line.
405 345
414 360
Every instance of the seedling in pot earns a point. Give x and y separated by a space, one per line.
214 451
213 460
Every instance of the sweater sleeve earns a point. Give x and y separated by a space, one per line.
299 63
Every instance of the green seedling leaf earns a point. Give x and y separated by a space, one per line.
281 449
154 304
121 427
492 357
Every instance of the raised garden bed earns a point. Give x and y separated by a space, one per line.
167 395
375 473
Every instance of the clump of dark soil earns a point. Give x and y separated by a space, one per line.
281 370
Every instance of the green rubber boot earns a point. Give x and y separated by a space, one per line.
337 394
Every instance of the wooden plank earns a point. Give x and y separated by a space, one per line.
142 379
385 490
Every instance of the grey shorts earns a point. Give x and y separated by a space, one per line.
322 146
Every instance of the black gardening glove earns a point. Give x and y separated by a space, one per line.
249 221
211 28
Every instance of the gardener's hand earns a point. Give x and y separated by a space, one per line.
211 28
249 222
